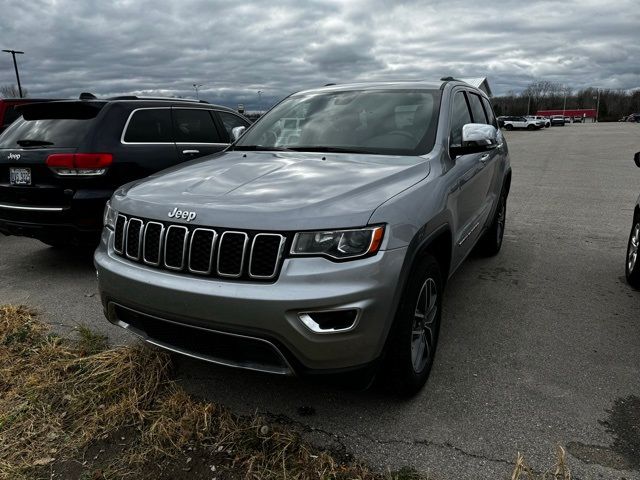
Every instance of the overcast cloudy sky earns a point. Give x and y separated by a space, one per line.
237 47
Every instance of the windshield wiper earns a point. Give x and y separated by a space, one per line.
33 143
264 148
312 148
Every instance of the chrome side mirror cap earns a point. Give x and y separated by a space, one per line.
476 138
479 135
236 133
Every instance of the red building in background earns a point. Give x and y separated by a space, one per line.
579 112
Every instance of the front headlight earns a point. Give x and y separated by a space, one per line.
339 244
110 216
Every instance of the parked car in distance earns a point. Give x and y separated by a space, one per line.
557 120
61 161
578 119
511 123
544 121
632 265
321 241
9 112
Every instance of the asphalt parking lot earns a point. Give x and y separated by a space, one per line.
540 345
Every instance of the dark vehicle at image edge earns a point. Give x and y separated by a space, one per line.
632 264
61 161
321 241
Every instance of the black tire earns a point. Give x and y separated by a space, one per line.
531 127
412 342
508 126
491 241
632 263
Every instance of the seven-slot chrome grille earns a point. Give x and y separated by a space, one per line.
215 252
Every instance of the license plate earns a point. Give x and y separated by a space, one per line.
20 176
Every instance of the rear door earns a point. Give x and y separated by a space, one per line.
196 133
45 129
146 144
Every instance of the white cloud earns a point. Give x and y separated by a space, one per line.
238 48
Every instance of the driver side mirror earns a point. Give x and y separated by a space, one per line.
636 158
236 133
476 137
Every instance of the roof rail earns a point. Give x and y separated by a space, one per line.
167 99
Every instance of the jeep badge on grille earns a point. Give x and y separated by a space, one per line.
182 214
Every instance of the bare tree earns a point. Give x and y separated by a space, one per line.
11 91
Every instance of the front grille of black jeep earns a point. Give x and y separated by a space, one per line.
215 252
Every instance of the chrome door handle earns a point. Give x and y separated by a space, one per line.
190 152
484 158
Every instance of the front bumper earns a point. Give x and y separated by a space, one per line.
268 312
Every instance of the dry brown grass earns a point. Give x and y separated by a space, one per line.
560 471
58 398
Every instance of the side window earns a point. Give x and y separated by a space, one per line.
230 121
150 126
195 126
476 108
459 117
489 111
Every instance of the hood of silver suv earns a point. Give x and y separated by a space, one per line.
274 190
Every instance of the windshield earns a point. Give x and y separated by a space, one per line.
392 122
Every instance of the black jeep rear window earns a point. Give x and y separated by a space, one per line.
52 124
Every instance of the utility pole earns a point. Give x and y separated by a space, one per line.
598 106
564 105
197 86
15 66
259 99
528 104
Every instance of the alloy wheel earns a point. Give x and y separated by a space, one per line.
634 245
423 330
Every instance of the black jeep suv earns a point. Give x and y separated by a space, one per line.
61 161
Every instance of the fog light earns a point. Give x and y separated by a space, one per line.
330 321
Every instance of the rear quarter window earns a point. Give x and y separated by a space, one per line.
150 125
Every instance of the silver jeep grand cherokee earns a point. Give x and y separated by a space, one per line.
321 240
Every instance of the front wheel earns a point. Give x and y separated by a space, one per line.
412 341
632 269
509 127
531 127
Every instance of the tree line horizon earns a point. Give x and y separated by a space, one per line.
542 95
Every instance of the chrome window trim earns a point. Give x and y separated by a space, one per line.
244 249
9 206
184 247
279 256
212 248
126 125
126 238
124 234
160 243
